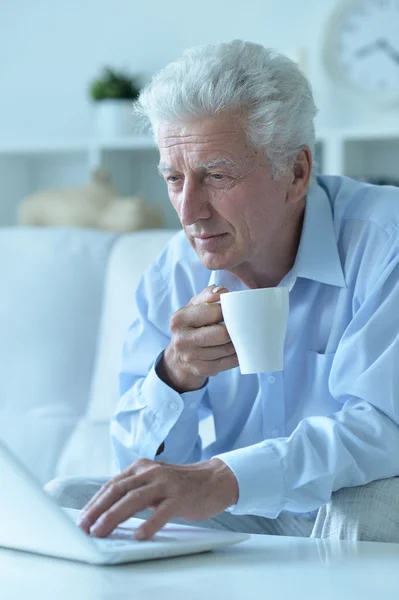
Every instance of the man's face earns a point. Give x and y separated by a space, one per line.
222 189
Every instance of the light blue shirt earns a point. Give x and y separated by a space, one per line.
330 418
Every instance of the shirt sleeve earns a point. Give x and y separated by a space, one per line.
352 447
149 412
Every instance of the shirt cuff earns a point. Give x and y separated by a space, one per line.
260 476
160 396
166 407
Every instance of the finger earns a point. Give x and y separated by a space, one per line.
113 491
97 495
211 352
210 368
212 335
198 315
100 492
209 294
137 467
135 476
132 503
161 515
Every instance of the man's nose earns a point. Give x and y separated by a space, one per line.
194 204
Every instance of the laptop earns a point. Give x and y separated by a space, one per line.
32 521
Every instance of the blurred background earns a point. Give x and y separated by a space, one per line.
51 133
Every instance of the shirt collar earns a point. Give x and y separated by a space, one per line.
317 257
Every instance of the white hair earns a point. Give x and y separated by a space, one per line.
272 98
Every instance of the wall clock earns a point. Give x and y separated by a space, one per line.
361 48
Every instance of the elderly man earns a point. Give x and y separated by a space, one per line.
310 450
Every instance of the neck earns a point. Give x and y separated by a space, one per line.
278 255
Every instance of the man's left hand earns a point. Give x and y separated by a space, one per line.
196 492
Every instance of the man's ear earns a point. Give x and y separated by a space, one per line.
300 175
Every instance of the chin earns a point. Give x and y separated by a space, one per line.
214 261
216 254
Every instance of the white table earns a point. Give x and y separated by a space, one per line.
264 567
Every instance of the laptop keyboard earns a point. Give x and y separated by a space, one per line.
123 538
114 544
121 533
119 538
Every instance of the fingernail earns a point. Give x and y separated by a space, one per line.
139 534
97 527
217 289
96 530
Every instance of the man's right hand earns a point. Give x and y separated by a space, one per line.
200 346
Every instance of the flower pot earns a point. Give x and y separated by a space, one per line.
113 118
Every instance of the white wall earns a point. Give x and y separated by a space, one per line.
50 49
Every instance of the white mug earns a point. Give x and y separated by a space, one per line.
257 323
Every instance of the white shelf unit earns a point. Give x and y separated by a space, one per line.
364 153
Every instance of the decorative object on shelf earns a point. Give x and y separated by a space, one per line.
361 49
113 94
96 206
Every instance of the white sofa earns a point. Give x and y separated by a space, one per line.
66 301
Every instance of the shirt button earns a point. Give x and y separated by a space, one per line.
271 379
275 433
192 404
173 406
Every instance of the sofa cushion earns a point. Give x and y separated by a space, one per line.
50 306
88 452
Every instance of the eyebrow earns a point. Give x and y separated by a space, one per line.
221 160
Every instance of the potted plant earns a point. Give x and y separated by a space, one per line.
113 93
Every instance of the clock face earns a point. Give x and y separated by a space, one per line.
362 47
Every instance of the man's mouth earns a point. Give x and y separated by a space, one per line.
207 236
209 241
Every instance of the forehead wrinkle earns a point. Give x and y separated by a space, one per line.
216 162
162 168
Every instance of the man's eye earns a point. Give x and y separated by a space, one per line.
172 178
217 176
